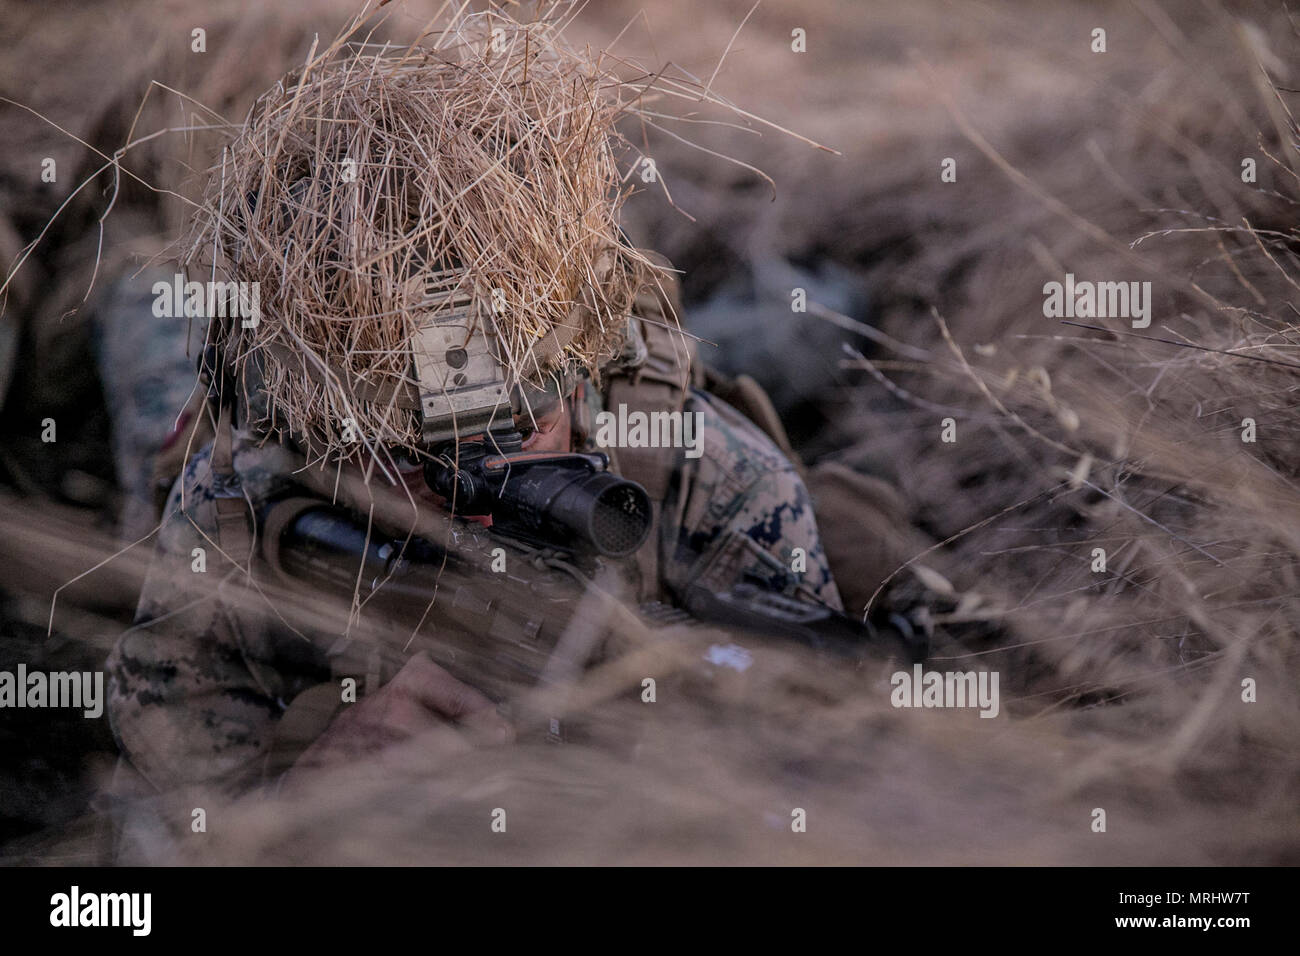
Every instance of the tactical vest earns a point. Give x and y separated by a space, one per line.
659 381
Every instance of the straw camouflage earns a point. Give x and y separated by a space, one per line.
476 178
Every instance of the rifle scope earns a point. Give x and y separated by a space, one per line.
568 500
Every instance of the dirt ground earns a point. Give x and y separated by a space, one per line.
1162 689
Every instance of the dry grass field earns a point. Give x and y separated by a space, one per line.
1122 689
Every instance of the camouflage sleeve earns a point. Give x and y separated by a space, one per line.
198 684
745 513
148 374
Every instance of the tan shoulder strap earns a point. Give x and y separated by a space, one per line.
658 385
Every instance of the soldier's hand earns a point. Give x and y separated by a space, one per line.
422 699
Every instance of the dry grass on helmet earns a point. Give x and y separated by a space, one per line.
489 156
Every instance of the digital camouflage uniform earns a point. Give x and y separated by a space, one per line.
198 684
744 509
147 377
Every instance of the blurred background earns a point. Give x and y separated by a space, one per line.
1121 690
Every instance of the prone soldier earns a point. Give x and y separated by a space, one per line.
214 685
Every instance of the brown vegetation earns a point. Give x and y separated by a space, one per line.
1122 689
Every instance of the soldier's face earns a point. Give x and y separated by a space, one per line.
553 431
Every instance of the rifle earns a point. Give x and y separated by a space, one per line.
500 611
